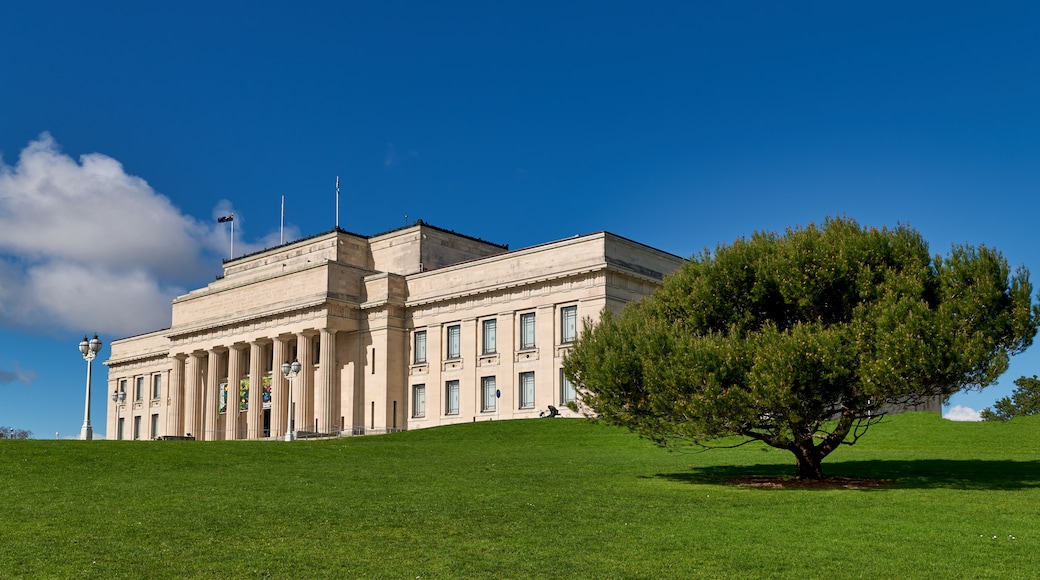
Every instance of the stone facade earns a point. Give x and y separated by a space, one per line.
413 328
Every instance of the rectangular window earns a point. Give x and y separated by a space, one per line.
156 386
527 390
488 340
418 400
451 398
119 430
139 389
420 347
122 385
155 425
316 359
454 342
527 331
137 427
567 391
488 394
568 324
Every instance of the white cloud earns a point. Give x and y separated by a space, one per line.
85 246
960 413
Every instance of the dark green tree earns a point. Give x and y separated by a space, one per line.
803 340
1024 400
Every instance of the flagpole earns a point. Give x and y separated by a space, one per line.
281 225
229 218
337 202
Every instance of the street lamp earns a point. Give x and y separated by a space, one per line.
290 371
89 350
118 397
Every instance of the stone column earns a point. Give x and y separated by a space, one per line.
255 416
279 389
234 374
192 420
325 382
174 421
211 400
302 394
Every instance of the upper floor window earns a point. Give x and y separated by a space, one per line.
420 347
488 340
139 389
316 358
568 324
454 342
156 386
527 330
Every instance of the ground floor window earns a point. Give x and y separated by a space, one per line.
137 427
418 400
451 398
567 391
119 430
487 394
155 425
527 390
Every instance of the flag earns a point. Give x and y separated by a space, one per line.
228 218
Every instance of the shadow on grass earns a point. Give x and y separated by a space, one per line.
919 474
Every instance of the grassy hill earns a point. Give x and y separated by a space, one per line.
517 499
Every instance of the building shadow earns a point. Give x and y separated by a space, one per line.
903 474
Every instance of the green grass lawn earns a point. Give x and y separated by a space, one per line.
517 499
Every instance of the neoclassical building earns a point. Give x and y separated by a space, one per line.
412 328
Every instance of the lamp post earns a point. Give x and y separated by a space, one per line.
118 397
290 371
89 350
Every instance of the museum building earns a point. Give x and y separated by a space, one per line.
412 328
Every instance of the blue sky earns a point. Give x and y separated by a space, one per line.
127 127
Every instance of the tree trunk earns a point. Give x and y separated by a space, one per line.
808 461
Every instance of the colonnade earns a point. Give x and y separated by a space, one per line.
199 407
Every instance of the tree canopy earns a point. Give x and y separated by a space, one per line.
1025 400
804 339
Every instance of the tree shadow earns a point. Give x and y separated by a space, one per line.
903 474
